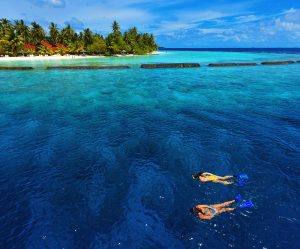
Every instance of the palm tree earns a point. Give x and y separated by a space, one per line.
130 37
54 33
68 35
114 41
16 44
6 28
152 44
22 30
87 37
116 27
4 47
38 33
76 47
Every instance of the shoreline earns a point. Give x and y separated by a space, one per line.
47 58
67 57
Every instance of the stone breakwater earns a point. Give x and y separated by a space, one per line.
156 66
170 65
278 62
231 64
16 68
87 67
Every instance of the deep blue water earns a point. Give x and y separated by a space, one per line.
250 50
103 159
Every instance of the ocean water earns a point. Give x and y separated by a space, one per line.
251 50
103 158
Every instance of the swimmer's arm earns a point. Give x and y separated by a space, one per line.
203 206
204 179
207 174
205 217
208 207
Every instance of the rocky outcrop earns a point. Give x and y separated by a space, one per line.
277 62
86 67
16 68
231 64
170 65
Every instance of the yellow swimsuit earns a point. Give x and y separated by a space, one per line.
212 178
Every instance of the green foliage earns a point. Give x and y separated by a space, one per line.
6 28
98 46
68 35
4 47
61 50
13 36
38 34
54 33
28 51
22 30
74 48
87 37
16 45
43 50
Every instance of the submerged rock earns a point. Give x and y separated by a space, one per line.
87 67
277 62
16 68
170 65
231 64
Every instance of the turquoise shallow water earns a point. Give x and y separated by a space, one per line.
103 158
166 57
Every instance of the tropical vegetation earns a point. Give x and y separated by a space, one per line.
18 38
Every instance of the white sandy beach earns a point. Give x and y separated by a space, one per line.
46 58
65 57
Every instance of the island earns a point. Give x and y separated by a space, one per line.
19 39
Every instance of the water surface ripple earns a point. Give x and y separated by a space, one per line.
103 159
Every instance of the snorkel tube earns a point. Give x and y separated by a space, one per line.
196 176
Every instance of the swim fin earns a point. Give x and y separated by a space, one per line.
243 177
238 198
246 204
241 184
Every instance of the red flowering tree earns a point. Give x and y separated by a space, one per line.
60 49
45 48
29 49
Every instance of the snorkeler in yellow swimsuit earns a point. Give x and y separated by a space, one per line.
208 177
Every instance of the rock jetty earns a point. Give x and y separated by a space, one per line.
277 62
86 67
170 65
231 64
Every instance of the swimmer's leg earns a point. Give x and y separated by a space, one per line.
225 204
224 210
225 177
223 182
227 182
